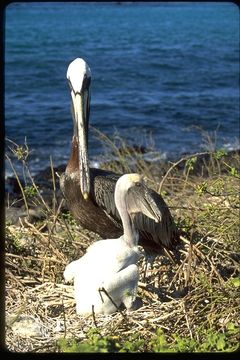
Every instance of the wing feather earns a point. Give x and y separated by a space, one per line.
142 202
104 187
151 216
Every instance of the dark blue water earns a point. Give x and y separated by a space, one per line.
158 71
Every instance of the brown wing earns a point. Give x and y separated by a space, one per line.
103 193
162 232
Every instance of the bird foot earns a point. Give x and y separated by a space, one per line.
137 303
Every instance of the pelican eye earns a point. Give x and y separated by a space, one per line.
70 85
138 183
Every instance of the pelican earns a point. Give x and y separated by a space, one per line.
89 192
107 275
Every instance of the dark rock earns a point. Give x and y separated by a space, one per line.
43 180
12 186
134 149
15 210
44 177
14 214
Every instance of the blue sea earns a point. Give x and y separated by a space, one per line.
162 73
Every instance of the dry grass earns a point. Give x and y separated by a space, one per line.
189 306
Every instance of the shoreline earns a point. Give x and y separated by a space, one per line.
14 202
43 176
144 153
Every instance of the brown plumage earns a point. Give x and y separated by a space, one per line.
89 192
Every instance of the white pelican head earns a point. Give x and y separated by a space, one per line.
79 79
132 193
78 73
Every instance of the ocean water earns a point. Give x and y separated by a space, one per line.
159 71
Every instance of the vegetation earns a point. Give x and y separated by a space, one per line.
191 305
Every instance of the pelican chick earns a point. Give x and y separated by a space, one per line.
107 275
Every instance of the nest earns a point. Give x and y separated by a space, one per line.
40 307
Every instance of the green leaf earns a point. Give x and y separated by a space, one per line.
220 153
221 343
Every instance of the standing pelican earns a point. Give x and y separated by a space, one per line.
107 275
89 192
